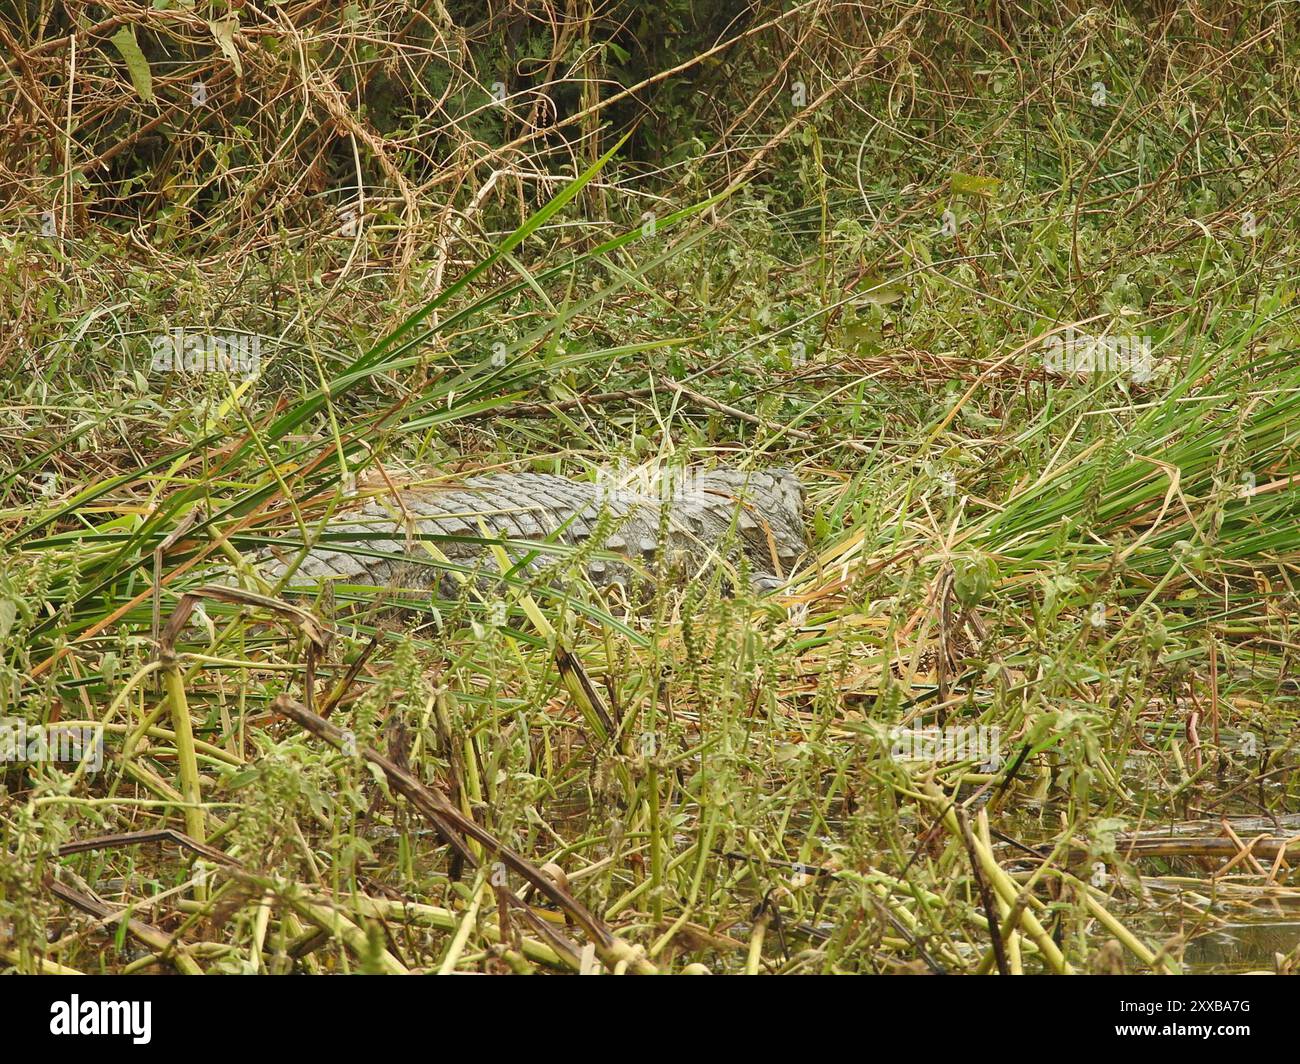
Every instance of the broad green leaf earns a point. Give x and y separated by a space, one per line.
137 66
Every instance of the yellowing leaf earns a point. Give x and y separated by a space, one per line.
137 66
973 185
223 32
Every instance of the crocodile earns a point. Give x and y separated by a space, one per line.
701 518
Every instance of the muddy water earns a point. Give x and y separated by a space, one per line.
1243 946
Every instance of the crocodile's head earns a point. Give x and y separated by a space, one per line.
786 485
773 497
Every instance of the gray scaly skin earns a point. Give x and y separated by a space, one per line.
760 512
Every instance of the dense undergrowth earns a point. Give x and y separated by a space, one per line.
839 238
